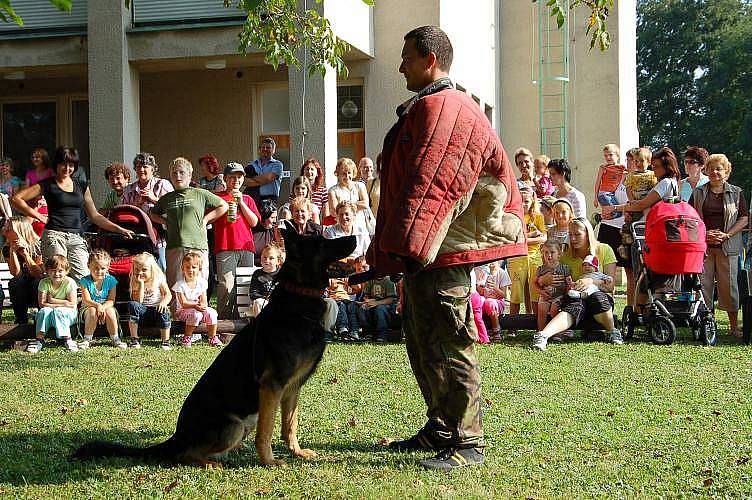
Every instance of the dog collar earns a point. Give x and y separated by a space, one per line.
301 290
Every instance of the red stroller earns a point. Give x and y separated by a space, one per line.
123 249
668 258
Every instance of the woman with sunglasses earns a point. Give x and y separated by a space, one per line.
597 306
694 159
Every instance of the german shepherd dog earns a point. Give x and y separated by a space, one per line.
261 369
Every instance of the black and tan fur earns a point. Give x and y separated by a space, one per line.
263 368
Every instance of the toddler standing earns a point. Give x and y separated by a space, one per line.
550 298
150 299
98 299
192 305
57 304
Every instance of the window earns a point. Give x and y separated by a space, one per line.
27 126
350 133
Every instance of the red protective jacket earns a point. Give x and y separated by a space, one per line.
448 192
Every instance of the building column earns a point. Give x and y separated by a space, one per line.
114 123
313 115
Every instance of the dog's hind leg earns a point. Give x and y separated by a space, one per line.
269 400
290 424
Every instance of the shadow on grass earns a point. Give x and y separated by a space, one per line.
44 458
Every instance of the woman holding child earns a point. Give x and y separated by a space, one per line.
24 256
597 305
62 227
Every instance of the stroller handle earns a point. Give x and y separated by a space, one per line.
139 236
638 230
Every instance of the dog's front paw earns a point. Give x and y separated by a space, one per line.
304 453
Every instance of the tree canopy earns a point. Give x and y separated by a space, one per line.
694 82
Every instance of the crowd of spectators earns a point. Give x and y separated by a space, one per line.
209 224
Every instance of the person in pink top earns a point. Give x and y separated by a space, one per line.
233 241
40 160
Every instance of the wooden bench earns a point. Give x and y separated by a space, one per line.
242 284
5 278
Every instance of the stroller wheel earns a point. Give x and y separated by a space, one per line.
662 330
709 330
627 323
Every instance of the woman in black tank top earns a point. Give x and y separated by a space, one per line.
62 226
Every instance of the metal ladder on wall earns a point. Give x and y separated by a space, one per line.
553 82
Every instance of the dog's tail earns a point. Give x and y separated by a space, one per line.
99 449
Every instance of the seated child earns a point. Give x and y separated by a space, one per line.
262 281
150 299
542 179
590 270
192 305
378 308
98 300
493 286
550 298
610 175
57 304
348 323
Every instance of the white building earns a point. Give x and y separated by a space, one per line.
165 77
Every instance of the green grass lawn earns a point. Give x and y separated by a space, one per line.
582 419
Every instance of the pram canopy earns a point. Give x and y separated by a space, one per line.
674 239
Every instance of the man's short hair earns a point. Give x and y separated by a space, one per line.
433 39
269 140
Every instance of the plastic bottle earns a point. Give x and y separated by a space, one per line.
232 211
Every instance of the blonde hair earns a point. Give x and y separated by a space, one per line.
719 159
522 152
644 154
25 231
145 259
346 163
57 262
542 158
582 222
182 162
614 149
99 255
274 247
346 204
301 202
192 258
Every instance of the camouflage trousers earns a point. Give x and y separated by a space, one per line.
439 332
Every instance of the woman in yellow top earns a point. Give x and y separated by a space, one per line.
521 269
598 305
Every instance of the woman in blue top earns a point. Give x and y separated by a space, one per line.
62 226
694 161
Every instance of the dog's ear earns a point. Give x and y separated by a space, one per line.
288 232
339 248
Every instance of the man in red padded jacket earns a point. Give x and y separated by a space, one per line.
449 201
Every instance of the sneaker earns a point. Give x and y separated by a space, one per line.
35 346
328 337
135 343
187 340
343 333
71 345
381 338
511 334
454 458
215 341
119 343
418 442
568 334
355 334
539 341
196 337
166 345
84 344
616 338
495 337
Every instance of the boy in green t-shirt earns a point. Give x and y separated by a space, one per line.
378 308
184 211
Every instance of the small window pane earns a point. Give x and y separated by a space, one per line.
350 107
275 110
27 126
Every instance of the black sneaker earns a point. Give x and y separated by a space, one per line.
381 338
418 442
454 458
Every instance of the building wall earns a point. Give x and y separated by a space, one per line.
191 113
